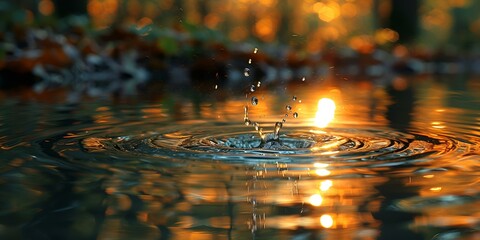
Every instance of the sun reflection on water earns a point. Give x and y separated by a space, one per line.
326 221
325 113
316 200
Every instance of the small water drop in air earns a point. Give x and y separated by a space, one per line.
256 125
254 101
216 86
295 114
250 61
284 120
259 83
278 126
255 50
294 98
252 88
288 107
303 79
245 117
246 72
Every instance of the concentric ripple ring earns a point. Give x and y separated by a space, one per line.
301 144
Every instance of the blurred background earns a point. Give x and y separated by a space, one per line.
85 83
88 45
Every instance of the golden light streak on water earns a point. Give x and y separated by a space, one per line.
325 185
321 169
322 172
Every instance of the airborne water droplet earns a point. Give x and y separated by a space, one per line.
252 88
295 114
245 118
255 50
288 107
303 79
256 125
259 83
254 101
246 72
278 126
294 98
250 61
216 86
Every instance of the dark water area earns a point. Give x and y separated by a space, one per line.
399 160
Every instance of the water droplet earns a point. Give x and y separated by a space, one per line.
294 98
216 87
284 120
245 118
246 72
303 79
259 83
256 125
288 107
254 101
250 61
255 50
252 88
278 126
295 114
286 114
299 101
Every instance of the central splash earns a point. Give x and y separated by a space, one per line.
324 115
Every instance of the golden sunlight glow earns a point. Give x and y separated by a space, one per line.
326 221
327 11
325 112
265 28
316 200
321 169
438 125
320 165
436 189
322 172
385 35
325 185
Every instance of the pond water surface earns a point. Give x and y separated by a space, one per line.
399 160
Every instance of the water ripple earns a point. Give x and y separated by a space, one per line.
340 147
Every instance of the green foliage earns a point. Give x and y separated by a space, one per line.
169 45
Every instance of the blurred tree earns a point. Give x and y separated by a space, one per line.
179 9
67 8
399 15
461 34
284 30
